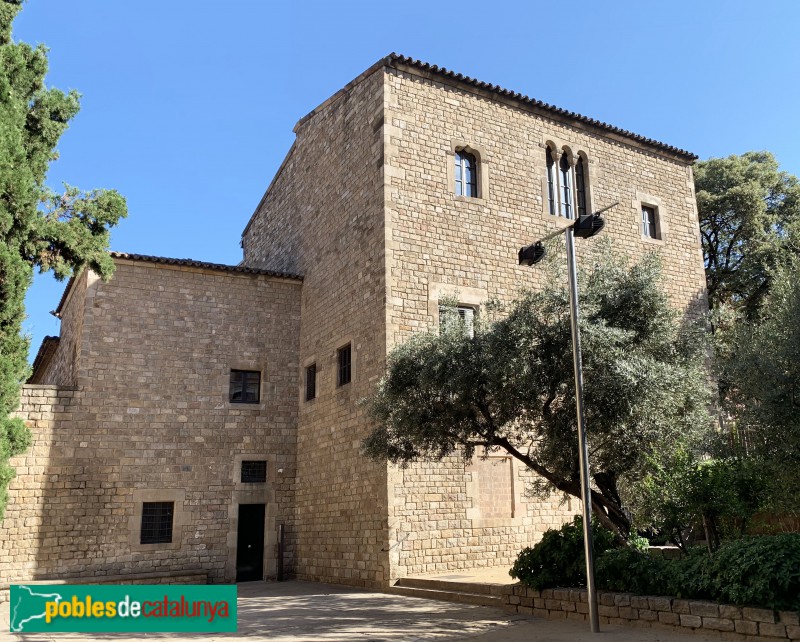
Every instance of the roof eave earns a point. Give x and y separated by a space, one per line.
419 68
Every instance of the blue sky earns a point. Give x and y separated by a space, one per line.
188 106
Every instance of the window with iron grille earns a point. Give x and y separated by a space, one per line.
344 371
311 382
254 472
245 386
649 222
466 174
157 522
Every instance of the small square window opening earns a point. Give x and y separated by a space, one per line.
245 386
254 472
157 522
344 371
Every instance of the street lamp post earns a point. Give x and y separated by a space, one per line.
584 227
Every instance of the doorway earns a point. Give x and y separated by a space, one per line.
250 543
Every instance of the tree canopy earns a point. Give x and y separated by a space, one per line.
39 228
749 221
511 386
762 366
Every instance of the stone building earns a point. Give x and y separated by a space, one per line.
189 409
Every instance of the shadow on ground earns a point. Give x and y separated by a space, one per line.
308 612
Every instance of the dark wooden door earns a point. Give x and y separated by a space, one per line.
250 543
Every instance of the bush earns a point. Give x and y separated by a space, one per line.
757 571
633 571
684 493
558 559
764 571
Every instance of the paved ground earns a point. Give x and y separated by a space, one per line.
308 612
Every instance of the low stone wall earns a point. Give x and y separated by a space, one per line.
729 622
139 578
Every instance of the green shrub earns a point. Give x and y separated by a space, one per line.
689 577
632 571
763 571
757 571
558 559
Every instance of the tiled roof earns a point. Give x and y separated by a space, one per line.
203 264
397 61
46 352
240 269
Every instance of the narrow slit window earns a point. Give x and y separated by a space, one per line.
580 186
566 186
344 370
311 382
157 522
551 182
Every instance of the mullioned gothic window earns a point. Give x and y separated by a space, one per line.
566 184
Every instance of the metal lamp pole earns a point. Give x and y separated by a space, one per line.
586 491
584 227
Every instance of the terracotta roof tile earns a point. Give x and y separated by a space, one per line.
242 269
46 351
397 61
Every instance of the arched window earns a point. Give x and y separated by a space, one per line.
566 186
567 183
551 181
466 174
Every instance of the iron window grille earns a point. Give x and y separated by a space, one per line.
345 370
157 522
254 472
245 386
311 382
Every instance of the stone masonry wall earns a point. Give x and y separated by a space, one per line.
443 245
730 623
371 169
326 204
63 367
150 420
44 408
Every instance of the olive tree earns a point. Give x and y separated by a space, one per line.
509 385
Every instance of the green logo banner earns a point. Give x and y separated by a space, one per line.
137 608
